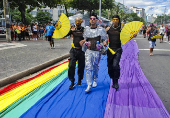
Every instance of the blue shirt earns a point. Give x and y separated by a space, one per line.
50 29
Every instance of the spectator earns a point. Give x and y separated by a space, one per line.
152 32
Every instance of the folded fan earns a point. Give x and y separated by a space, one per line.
156 37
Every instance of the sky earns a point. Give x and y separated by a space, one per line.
150 6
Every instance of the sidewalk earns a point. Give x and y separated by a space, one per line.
19 56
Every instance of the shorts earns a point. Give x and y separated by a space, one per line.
168 33
144 31
152 44
45 34
41 31
34 32
50 38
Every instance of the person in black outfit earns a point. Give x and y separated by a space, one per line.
115 44
76 54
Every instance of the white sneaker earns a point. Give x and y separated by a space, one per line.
88 89
94 84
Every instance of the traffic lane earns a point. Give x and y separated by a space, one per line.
156 68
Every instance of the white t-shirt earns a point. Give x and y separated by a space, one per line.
34 28
162 30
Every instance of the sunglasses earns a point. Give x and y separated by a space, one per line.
115 19
93 18
78 21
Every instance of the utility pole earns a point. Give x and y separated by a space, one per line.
164 15
100 10
7 21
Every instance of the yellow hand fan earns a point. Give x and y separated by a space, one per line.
129 30
72 44
156 37
63 27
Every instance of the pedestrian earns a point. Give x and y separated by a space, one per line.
93 36
115 44
15 30
152 32
12 32
50 30
35 31
27 33
162 32
76 54
144 31
148 33
19 32
168 33
30 32
46 37
23 31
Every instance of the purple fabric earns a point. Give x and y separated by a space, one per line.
136 98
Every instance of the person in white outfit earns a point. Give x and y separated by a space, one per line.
94 36
162 32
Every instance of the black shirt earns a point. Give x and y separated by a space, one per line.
77 35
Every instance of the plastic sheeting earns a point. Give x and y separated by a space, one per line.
64 103
135 98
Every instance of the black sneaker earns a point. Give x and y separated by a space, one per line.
79 83
71 86
115 84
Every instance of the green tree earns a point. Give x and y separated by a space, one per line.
16 16
22 5
43 17
135 17
160 19
91 5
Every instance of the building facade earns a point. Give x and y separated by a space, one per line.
140 12
54 12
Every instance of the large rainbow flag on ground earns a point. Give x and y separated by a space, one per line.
47 95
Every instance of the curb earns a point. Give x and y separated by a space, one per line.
15 77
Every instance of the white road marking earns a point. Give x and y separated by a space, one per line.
4 46
156 49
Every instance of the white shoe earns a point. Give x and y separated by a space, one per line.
94 84
88 89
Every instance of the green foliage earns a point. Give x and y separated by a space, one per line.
43 17
90 5
70 14
160 19
16 16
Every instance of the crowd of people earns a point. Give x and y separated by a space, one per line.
163 30
90 43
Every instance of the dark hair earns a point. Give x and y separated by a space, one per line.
94 14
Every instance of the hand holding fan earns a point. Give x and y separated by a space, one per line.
63 27
129 30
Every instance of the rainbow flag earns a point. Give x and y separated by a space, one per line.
47 95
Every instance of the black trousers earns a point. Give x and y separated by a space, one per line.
15 35
23 35
76 54
113 63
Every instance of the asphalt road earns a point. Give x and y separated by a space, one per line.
19 56
157 67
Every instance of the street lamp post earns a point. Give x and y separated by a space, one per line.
100 10
7 21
